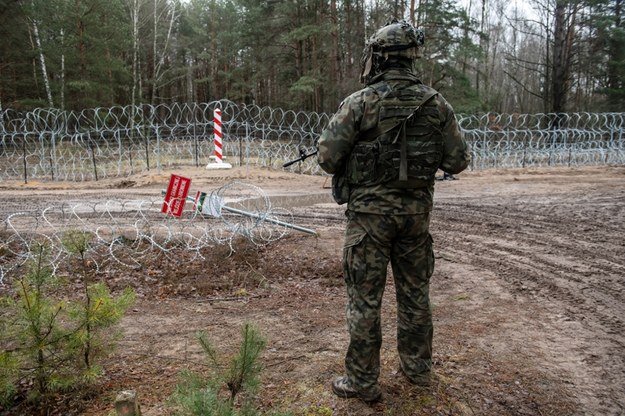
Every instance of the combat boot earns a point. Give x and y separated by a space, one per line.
343 388
423 379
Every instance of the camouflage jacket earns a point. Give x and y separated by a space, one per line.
358 113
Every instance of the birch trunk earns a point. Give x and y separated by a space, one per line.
159 58
63 69
42 62
154 59
134 15
190 69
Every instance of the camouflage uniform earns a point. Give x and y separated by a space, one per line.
388 218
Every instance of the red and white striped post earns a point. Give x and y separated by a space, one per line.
218 135
216 161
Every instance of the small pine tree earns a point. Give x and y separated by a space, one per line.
245 366
34 341
197 395
53 344
96 311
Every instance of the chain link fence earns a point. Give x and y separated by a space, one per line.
115 142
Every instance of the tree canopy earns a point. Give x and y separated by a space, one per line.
483 55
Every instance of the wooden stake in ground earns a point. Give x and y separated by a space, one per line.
127 404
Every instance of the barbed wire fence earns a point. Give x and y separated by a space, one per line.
539 140
48 144
120 141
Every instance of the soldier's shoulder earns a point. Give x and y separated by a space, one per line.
365 94
360 97
439 100
426 89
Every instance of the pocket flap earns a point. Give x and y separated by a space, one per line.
353 240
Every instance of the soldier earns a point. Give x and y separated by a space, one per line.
383 147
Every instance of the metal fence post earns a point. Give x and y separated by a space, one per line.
52 154
195 139
95 167
24 159
146 136
158 149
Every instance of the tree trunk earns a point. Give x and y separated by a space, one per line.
564 20
190 90
63 69
134 14
214 61
154 58
466 37
617 57
80 29
42 62
482 47
335 60
420 14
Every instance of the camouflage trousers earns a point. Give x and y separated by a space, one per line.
371 241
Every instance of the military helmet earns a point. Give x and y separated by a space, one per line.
397 39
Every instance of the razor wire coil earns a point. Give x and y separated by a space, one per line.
120 141
128 231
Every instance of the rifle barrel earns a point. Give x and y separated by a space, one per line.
300 159
289 163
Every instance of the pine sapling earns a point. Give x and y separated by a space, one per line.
245 366
98 310
198 395
34 342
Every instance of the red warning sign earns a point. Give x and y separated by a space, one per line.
176 195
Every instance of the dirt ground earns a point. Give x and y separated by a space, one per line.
528 297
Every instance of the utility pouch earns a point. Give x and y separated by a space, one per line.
361 166
340 189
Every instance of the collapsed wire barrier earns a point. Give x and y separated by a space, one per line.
120 141
128 231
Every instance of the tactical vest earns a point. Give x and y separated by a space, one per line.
405 148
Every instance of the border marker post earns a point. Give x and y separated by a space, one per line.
216 161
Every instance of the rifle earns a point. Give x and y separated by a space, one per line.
302 156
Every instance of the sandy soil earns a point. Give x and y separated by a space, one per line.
528 294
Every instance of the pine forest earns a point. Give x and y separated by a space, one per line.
483 55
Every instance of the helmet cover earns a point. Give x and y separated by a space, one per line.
396 38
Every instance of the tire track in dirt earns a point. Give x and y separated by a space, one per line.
552 246
525 266
574 264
